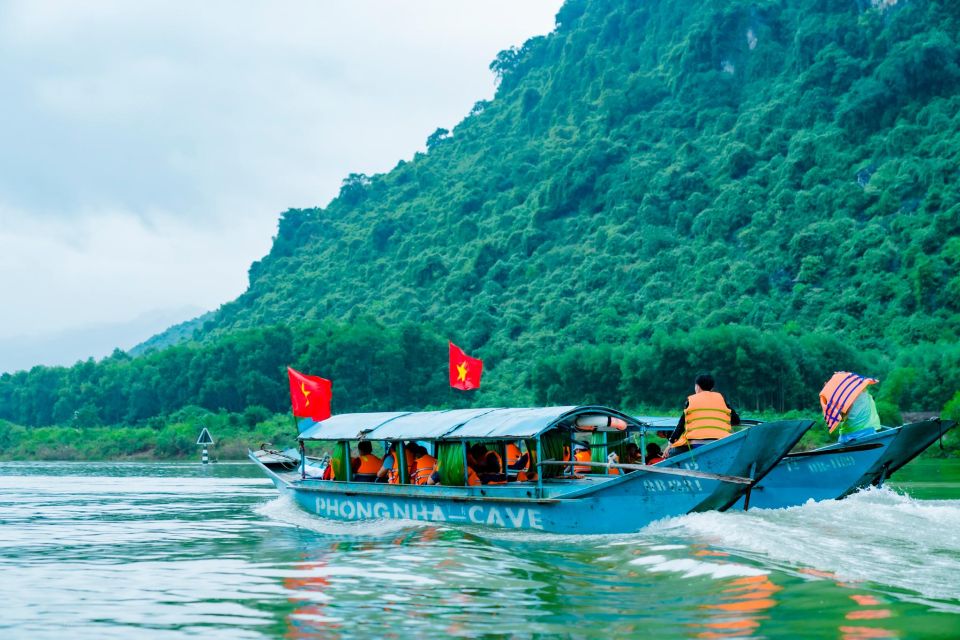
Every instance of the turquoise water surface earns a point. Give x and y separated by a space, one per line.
130 550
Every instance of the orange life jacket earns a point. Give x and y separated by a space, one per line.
654 460
513 454
426 465
369 464
706 417
393 475
528 471
838 394
472 478
583 455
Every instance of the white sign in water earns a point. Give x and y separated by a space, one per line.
509 517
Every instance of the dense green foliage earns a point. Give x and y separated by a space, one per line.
244 372
663 165
764 189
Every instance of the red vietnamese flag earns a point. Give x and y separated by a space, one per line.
465 371
310 395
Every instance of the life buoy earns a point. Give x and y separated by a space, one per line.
594 421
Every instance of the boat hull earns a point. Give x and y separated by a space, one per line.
616 504
751 453
837 470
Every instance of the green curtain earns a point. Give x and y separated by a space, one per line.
616 443
341 453
598 450
532 452
552 444
400 451
450 463
619 444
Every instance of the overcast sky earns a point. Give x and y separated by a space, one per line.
148 148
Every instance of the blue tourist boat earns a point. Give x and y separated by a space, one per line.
837 470
557 501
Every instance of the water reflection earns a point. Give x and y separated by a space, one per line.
744 602
159 553
309 594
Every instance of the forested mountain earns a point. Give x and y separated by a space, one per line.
768 189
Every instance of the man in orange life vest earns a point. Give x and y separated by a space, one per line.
425 465
390 469
706 417
366 464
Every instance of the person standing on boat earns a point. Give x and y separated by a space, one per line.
847 404
706 417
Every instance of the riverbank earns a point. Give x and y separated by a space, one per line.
174 441
234 434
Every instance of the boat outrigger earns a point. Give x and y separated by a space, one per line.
557 500
837 470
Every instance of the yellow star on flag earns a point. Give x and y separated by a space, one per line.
462 371
306 394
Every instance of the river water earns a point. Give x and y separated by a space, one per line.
108 550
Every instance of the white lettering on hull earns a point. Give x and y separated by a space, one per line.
824 464
676 485
343 508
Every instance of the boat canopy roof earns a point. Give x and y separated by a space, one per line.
458 424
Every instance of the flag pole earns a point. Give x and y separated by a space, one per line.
303 450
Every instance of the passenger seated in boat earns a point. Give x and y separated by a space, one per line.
366 465
492 473
654 453
581 452
613 458
847 404
706 418
568 471
518 464
425 465
484 459
390 471
516 460
472 478
326 466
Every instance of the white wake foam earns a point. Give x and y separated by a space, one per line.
876 535
284 511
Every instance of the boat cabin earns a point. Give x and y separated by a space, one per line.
522 436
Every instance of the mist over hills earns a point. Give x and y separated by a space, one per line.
95 341
768 189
